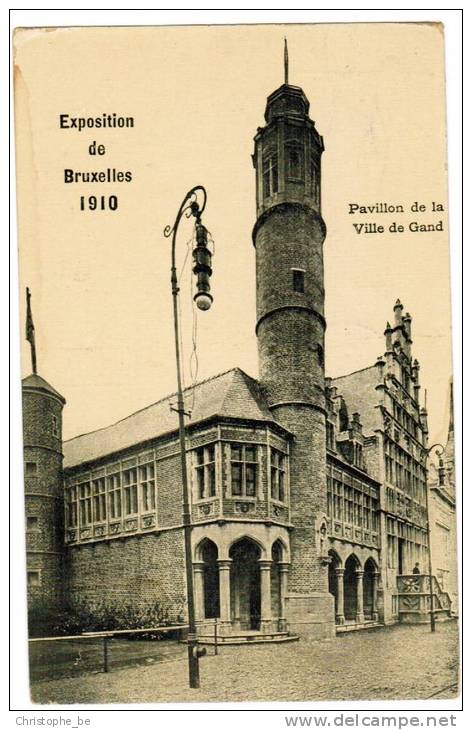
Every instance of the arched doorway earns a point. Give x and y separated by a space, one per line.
245 585
211 584
370 590
351 569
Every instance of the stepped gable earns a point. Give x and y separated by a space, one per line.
232 394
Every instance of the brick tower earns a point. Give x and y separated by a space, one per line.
288 237
44 505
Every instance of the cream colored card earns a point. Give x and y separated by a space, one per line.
113 126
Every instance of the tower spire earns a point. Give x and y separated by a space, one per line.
30 330
285 61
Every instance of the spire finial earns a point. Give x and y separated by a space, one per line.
286 61
30 330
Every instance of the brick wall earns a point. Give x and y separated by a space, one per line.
136 570
291 363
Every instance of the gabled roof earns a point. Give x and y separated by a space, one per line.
232 394
36 382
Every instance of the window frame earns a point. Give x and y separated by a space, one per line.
299 174
36 572
36 527
270 173
84 493
205 459
147 487
72 507
130 492
244 465
279 470
298 280
114 496
28 472
99 499
55 426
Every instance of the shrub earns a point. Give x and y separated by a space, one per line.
104 615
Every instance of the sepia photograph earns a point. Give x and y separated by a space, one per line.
237 373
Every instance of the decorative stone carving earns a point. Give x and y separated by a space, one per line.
131 525
410 603
204 509
244 507
411 585
149 521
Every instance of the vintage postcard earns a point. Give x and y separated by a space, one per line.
237 373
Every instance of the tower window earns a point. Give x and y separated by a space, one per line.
270 175
314 180
31 468
31 523
294 163
298 280
55 426
33 577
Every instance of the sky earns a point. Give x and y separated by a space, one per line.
100 280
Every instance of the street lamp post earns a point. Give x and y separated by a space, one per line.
203 299
430 563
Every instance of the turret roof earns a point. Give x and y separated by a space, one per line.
36 382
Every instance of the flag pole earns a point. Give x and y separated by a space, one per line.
30 330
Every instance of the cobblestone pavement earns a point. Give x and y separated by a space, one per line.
399 662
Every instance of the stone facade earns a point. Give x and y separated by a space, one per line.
443 516
307 494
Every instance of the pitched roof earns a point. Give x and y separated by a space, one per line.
36 382
232 394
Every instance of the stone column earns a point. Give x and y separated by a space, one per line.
198 588
375 584
360 597
236 596
266 608
225 596
283 582
339 595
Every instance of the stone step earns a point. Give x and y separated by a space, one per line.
248 638
346 628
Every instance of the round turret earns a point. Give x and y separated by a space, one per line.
42 438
